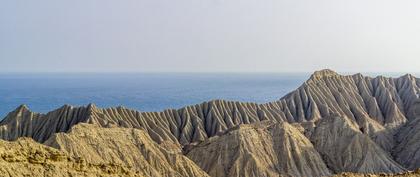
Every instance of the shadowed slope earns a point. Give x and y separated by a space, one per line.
345 149
407 152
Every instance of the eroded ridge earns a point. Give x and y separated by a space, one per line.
377 117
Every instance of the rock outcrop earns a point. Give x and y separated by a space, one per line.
405 174
25 157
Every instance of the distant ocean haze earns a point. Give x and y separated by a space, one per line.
140 91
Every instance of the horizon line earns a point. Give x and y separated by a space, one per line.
197 72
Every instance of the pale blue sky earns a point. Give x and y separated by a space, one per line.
209 35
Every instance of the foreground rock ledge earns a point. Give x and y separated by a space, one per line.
25 157
407 174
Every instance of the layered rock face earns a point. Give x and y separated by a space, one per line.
354 123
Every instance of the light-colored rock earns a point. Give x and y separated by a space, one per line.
375 104
383 111
257 150
25 157
345 149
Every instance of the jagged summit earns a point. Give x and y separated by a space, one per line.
323 73
23 107
21 111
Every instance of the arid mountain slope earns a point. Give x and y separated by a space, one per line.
407 151
378 105
377 116
130 147
261 149
346 149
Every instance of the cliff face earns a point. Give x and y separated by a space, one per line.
378 117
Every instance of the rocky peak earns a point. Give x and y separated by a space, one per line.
323 73
15 114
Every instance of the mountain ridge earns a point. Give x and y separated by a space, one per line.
379 111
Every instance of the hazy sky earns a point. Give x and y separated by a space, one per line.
209 35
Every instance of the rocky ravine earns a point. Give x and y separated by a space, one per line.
330 124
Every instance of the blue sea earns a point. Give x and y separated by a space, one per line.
141 91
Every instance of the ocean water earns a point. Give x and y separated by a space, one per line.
141 91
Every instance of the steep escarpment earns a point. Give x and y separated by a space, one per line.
261 149
130 147
25 157
377 116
